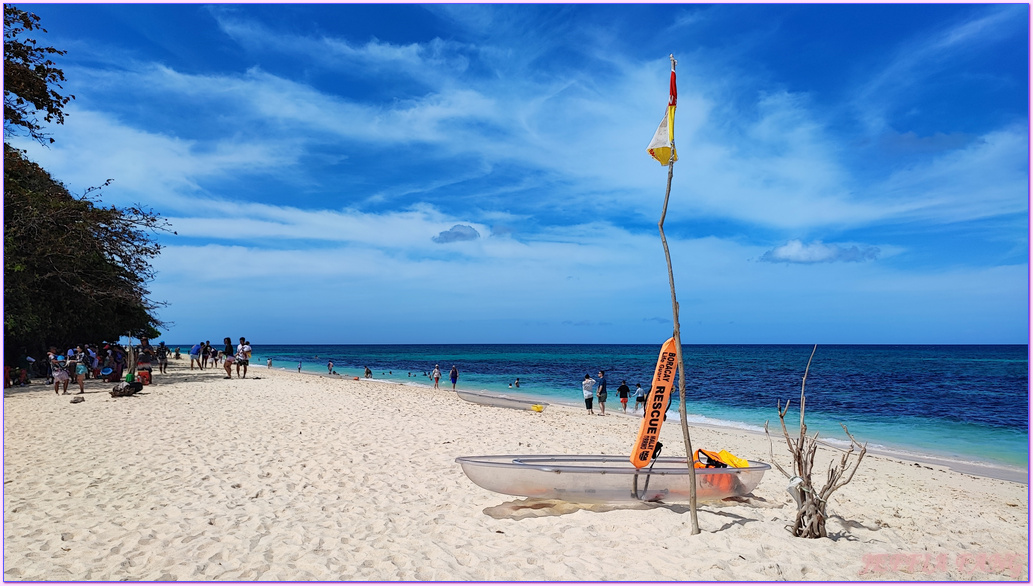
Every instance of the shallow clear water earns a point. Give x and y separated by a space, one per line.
968 402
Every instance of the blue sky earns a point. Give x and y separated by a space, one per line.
477 173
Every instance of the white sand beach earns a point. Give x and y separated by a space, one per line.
288 476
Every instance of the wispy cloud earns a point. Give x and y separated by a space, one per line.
431 63
924 58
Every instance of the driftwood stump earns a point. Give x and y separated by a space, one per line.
812 504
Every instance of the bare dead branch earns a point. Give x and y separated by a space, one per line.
811 513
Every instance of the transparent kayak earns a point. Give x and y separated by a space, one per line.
607 479
502 401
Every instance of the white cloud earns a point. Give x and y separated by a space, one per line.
926 57
150 167
432 63
457 233
796 251
779 168
988 178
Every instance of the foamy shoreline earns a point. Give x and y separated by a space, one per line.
284 476
958 464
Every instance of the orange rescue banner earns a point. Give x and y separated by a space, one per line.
656 405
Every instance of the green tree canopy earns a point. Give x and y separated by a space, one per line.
75 271
30 77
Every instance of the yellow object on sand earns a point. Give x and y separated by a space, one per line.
537 408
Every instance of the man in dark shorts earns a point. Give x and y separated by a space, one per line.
622 392
601 393
242 356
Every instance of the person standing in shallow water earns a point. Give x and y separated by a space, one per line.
588 389
622 393
453 375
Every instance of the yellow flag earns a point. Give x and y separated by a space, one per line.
661 147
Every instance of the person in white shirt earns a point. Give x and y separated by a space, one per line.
588 388
243 356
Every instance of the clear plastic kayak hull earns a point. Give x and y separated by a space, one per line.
607 479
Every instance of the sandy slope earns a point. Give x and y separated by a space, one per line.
287 476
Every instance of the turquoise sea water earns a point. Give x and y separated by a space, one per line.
969 403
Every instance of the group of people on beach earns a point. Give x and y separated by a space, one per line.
595 388
107 361
239 356
453 375
110 361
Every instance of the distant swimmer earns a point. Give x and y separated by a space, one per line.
517 383
453 375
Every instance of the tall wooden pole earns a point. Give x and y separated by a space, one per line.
677 344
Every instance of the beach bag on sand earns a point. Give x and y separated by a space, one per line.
125 389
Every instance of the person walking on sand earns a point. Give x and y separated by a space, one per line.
163 358
588 389
453 375
602 392
436 375
195 355
640 398
227 351
57 364
80 368
622 393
